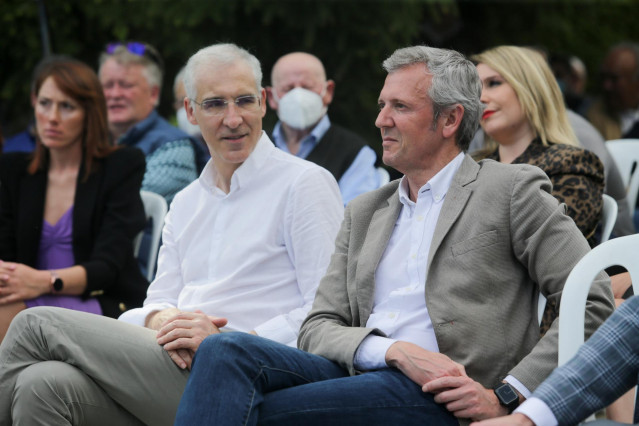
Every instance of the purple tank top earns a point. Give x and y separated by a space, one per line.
56 252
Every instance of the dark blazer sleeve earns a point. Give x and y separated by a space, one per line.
12 170
103 240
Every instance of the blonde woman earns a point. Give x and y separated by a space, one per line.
525 122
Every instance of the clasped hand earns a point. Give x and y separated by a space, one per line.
182 334
20 282
446 379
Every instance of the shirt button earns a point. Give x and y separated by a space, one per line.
420 218
438 197
413 256
392 315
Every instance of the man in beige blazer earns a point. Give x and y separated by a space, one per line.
428 311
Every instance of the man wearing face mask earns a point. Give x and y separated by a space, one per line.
300 95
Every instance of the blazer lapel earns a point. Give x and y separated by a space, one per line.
84 204
31 210
456 199
378 234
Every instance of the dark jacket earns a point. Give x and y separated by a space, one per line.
107 215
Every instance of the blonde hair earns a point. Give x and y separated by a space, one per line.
540 98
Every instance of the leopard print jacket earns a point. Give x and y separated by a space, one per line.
577 177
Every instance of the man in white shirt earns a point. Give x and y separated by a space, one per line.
428 311
245 245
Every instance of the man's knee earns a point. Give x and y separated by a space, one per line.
40 383
28 317
231 347
226 343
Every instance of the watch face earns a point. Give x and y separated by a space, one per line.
57 284
506 395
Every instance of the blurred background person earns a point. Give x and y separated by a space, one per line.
300 94
616 114
131 76
193 130
179 93
572 76
69 212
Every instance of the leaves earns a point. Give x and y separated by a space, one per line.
352 37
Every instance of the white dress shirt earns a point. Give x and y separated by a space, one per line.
399 308
537 411
255 255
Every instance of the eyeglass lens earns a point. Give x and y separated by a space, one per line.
219 106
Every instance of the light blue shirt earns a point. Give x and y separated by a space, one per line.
361 176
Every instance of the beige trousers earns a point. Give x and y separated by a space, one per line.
63 367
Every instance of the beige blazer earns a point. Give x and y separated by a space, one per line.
501 237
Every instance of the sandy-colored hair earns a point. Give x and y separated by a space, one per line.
537 90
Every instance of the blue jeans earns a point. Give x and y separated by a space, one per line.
240 379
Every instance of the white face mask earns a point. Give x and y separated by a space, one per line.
185 124
300 108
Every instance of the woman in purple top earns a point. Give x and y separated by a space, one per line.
70 210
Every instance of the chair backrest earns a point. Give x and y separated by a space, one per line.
608 217
155 208
383 175
625 152
623 251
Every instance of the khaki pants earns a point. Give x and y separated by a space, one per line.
63 367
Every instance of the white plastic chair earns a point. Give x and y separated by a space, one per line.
625 152
155 208
623 251
383 175
608 217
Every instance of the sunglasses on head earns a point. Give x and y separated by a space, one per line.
136 48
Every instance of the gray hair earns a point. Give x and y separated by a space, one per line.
219 54
632 48
152 69
455 81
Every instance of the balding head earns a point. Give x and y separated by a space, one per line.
298 63
299 69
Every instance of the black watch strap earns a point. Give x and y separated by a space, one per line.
56 282
507 396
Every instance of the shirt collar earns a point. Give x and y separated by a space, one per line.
437 186
140 127
311 140
244 173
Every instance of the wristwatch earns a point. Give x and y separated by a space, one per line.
56 282
507 396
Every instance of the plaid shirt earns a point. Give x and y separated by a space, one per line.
605 367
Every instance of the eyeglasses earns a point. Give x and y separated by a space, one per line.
218 106
137 48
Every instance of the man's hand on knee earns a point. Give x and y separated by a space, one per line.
465 398
183 358
182 334
155 320
421 365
